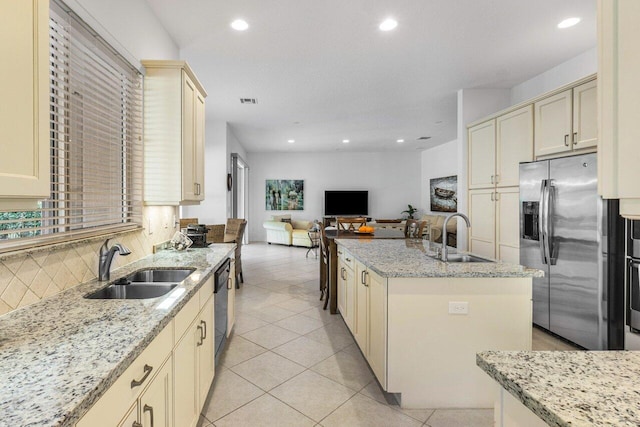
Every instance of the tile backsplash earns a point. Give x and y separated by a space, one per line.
28 277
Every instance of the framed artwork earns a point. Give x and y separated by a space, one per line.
444 194
284 194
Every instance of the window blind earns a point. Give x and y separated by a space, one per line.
95 136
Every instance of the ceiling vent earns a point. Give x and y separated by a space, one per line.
424 138
248 101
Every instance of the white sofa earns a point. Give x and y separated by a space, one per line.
294 233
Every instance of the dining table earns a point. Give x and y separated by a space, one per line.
332 270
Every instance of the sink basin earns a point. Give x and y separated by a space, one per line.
466 258
153 276
143 284
132 291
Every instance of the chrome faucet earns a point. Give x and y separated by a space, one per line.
445 254
106 257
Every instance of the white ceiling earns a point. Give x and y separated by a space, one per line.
323 72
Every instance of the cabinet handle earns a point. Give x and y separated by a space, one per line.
497 178
229 283
566 140
575 138
136 424
339 252
492 196
362 277
348 259
149 409
492 179
366 277
202 322
147 371
201 339
497 196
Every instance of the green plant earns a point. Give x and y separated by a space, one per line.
410 211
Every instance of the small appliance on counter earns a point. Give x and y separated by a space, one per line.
198 234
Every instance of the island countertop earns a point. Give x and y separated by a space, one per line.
58 356
410 258
571 388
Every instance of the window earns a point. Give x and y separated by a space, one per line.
96 140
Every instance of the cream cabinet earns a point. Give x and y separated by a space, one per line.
346 288
174 123
24 87
231 302
495 223
618 104
497 146
370 328
155 406
566 121
114 407
194 357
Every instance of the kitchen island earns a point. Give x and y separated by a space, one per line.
61 355
420 322
564 388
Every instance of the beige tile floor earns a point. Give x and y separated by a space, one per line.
290 363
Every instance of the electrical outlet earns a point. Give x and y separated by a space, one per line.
458 307
150 228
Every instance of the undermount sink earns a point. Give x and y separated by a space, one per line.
466 258
142 284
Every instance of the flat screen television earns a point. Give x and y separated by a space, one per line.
338 203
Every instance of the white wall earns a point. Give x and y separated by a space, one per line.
130 26
437 162
569 71
392 179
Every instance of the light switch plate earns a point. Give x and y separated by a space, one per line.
458 307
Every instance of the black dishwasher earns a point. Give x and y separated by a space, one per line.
221 299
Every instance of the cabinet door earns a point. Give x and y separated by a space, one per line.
377 352
189 94
482 216
24 87
552 118
231 303
482 157
342 290
361 308
514 144
585 115
206 349
185 366
198 165
131 419
508 225
156 403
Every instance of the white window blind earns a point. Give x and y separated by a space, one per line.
96 140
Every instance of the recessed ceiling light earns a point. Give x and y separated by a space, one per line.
291 141
388 24
345 141
400 141
239 25
569 22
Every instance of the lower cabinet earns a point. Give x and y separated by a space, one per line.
346 288
370 328
168 383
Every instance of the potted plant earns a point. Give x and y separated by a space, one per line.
410 211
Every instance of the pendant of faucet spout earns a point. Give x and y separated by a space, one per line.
106 257
444 251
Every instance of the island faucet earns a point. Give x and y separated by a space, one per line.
106 257
444 233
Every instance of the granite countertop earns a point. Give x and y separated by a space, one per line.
58 356
571 388
410 258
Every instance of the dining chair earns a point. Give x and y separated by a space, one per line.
414 228
186 221
215 233
233 233
350 224
324 276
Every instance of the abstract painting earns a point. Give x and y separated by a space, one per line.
444 194
284 194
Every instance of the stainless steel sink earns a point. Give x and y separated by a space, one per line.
143 284
466 258
132 291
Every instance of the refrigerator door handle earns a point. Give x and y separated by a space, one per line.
541 222
552 248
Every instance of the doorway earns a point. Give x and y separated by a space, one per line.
240 190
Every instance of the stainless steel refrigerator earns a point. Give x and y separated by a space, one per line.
563 231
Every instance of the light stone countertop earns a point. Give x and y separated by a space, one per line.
571 388
58 356
410 258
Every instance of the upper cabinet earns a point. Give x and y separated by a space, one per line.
24 88
619 104
567 121
497 146
174 122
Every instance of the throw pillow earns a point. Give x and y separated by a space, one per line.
287 220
